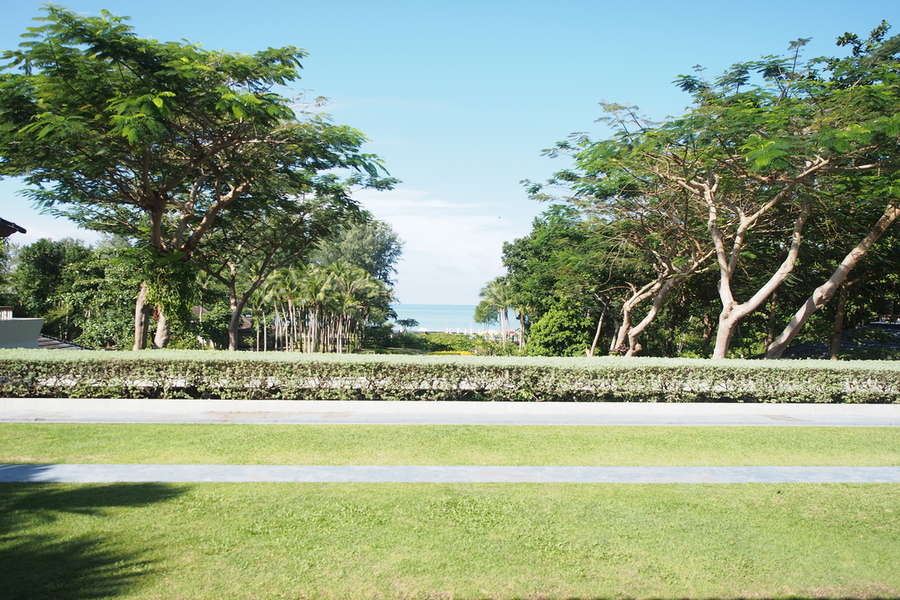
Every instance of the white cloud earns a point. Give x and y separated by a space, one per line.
451 250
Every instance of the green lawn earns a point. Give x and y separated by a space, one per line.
563 541
214 541
448 445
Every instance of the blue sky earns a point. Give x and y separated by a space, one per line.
459 98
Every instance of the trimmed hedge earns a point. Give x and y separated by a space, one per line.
171 374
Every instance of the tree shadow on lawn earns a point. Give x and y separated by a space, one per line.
40 566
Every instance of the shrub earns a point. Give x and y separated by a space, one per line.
250 375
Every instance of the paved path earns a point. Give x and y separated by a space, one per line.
444 413
451 474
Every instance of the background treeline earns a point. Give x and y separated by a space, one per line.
322 301
763 214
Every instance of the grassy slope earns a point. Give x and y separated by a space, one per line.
447 445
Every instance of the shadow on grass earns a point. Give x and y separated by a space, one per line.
38 565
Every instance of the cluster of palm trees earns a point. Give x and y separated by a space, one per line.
316 308
497 298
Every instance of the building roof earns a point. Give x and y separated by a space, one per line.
45 342
7 228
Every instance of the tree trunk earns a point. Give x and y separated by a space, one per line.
234 323
619 344
732 312
597 332
633 346
161 339
822 294
838 334
773 316
612 342
521 316
141 319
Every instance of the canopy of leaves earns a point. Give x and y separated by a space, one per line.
762 145
134 136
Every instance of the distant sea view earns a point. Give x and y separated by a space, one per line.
453 318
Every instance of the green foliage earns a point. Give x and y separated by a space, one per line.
164 138
379 377
562 331
171 282
99 301
378 337
6 252
413 341
371 245
213 325
41 273
449 342
775 173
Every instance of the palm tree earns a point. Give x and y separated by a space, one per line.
497 296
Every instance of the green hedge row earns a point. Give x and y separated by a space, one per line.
153 374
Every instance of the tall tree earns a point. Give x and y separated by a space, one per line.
572 258
42 274
752 155
644 215
860 116
496 298
367 243
108 126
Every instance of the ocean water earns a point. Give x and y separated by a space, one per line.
453 318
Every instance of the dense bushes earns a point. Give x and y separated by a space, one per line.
378 377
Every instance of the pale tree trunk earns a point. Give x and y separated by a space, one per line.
661 288
822 294
633 346
732 312
728 261
504 323
612 342
161 339
619 344
596 339
141 319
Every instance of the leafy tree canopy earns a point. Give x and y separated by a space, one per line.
154 140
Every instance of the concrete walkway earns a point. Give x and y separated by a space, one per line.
444 413
446 474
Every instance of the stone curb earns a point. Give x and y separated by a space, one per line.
25 410
439 474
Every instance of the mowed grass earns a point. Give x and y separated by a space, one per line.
448 541
447 445
503 541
